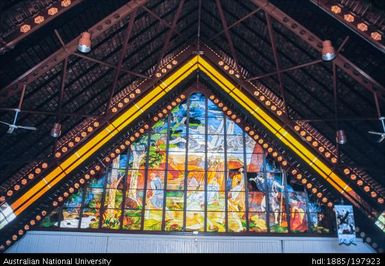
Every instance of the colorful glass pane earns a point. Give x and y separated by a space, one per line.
257 222
216 125
160 127
298 219
134 199
154 199
196 143
216 162
132 219
175 180
195 221
237 222
278 222
75 200
216 222
235 144
135 178
152 220
174 220
111 218
174 200
195 200
90 218
70 218
113 198
93 198
51 220
216 144
155 179
215 200
216 180
196 161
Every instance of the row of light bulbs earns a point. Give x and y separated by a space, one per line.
361 26
347 171
354 176
52 11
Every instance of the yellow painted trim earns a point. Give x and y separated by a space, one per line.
36 196
192 63
29 194
224 83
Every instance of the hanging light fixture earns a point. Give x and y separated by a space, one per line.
56 130
328 53
84 45
341 137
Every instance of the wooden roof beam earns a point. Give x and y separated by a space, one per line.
226 30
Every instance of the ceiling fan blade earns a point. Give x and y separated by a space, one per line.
28 128
5 123
381 139
383 123
375 133
10 130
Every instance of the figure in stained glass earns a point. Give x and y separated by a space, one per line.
157 194
298 220
212 191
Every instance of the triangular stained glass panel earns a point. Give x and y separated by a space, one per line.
195 170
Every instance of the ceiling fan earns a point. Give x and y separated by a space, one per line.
381 134
13 126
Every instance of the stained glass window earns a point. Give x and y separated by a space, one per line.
195 170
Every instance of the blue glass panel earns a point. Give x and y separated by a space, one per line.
93 198
97 182
232 128
215 143
216 125
75 200
140 144
196 143
160 127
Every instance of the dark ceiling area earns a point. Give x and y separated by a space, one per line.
166 27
